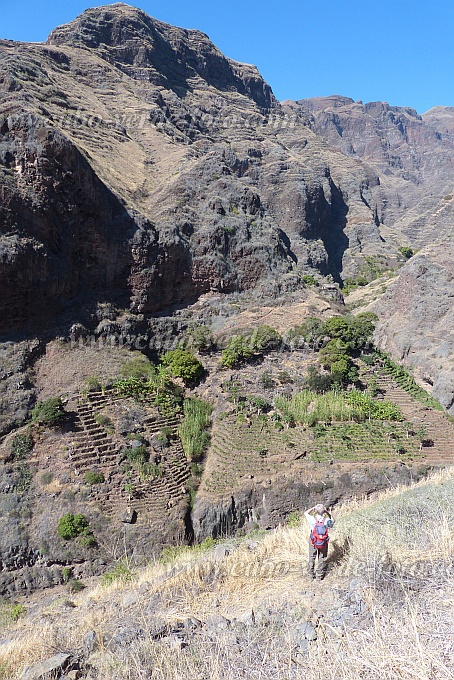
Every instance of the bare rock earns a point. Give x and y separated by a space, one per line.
54 665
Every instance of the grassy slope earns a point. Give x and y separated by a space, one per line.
392 553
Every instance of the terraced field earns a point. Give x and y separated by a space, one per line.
95 449
256 449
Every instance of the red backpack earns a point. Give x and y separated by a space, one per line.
319 534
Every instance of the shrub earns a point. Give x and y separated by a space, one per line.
355 331
130 489
46 478
121 571
265 339
71 526
92 477
86 539
266 380
150 471
406 251
258 404
103 421
199 338
75 586
335 350
311 331
21 446
316 381
137 454
66 574
309 280
24 478
183 364
242 348
293 520
11 613
238 350
92 384
340 370
139 367
49 412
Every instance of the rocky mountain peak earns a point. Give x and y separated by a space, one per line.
164 55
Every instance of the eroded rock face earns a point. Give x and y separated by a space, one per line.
167 56
205 184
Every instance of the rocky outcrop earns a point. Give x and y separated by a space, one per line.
441 118
164 55
267 505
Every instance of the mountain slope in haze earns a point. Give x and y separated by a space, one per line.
412 154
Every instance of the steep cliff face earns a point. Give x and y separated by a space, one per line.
267 505
140 165
164 55
412 154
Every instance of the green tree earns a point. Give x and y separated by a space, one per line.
182 363
71 526
238 350
199 338
312 330
337 327
335 350
265 339
316 381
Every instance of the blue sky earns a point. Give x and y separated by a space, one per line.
399 51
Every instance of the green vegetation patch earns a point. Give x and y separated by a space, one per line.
92 477
121 571
194 430
21 446
10 613
243 348
375 440
308 407
74 526
157 389
183 364
49 412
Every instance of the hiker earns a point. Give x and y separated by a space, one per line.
320 521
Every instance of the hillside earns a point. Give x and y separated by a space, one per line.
149 460
246 608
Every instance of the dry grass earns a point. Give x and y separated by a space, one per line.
395 549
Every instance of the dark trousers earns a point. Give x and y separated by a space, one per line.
320 556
